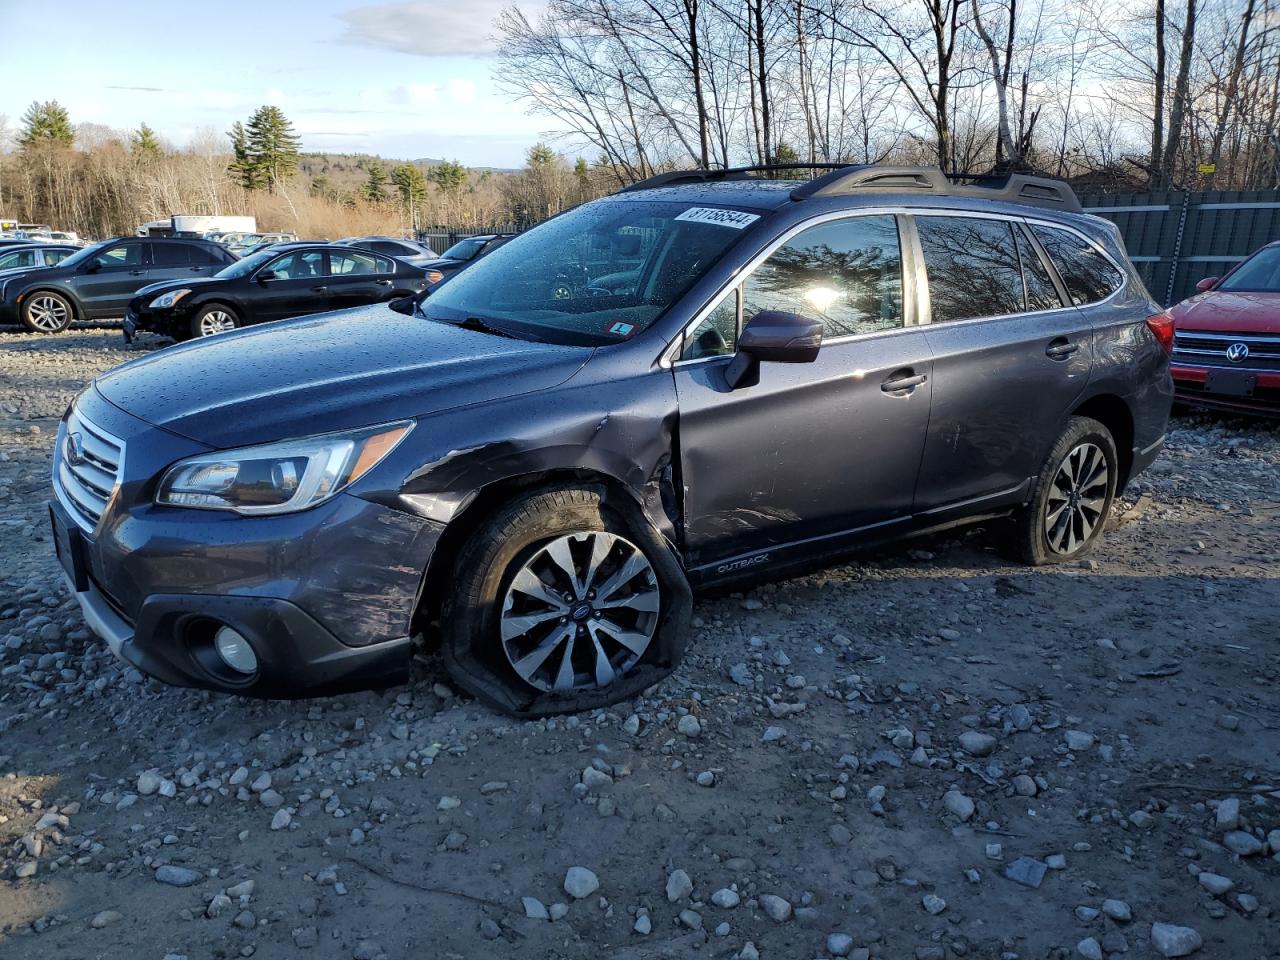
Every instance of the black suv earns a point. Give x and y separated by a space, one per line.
704 378
97 282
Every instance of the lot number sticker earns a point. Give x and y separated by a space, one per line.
735 219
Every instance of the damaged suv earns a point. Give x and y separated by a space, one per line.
708 377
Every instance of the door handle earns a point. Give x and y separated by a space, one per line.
137 273
902 381
1060 349
196 269
383 283
319 289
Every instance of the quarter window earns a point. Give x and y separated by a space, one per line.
973 267
19 258
1086 273
717 334
846 273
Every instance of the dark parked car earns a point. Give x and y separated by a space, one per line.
535 472
1226 352
96 282
406 251
462 253
285 280
33 256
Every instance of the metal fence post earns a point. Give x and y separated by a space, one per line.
1177 249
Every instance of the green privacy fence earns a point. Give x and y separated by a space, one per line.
1177 239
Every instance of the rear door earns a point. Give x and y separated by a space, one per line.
291 286
170 261
105 284
812 450
357 278
1010 357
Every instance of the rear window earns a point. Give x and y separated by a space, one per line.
973 267
1086 273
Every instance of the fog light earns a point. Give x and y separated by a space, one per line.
235 650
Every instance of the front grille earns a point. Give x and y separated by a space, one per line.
86 470
1202 348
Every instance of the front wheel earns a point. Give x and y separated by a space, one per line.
1072 495
47 312
563 601
214 319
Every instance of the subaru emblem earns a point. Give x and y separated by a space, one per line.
74 449
1238 352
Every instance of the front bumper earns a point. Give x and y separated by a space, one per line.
139 317
325 597
1189 387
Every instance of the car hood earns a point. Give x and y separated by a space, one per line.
1230 312
328 372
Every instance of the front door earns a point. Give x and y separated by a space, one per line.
107 283
1009 359
811 450
291 286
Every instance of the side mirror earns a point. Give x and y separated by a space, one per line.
1208 283
777 336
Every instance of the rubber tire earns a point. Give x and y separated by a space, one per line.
193 332
1029 542
26 322
469 615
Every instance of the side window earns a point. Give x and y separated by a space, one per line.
21 258
1041 293
203 256
1086 273
846 273
972 266
121 255
353 263
717 334
170 254
302 265
56 256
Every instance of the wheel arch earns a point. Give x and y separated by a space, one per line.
1113 413
77 309
492 497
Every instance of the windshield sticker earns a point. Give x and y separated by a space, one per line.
734 219
622 329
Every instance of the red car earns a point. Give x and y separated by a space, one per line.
1226 351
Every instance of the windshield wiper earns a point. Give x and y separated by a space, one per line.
481 325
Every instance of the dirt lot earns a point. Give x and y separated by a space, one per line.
926 753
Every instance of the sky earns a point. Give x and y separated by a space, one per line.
405 80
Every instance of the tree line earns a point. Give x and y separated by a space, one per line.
1147 94
103 182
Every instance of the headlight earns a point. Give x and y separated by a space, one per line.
279 477
166 300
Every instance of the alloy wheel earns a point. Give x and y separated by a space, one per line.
580 612
1077 499
49 314
216 321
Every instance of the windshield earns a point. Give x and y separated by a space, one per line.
601 273
85 253
463 250
1260 273
242 268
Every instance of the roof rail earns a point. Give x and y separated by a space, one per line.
727 173
1009 187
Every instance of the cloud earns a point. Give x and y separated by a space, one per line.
112 86
425 28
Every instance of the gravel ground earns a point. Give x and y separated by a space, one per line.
926 753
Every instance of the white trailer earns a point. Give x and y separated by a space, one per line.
197 225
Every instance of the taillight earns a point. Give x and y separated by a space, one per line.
1161 327
434 276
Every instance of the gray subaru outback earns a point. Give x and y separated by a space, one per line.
708 377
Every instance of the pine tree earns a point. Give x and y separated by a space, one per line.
412 186
46 124
449 175
320 186
272 145
145 142
242 166
375 187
